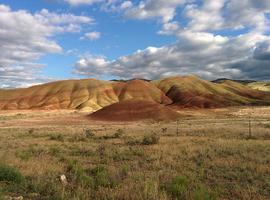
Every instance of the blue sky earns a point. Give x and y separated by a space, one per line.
132 39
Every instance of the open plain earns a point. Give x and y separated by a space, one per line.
208 154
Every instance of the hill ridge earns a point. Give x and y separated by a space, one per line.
92 94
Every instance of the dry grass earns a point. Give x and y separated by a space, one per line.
211 158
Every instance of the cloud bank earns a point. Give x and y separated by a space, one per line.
25 37
218 38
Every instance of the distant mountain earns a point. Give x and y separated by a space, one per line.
92 95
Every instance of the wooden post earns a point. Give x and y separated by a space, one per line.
249 128
177 128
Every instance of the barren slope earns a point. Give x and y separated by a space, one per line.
133 110
91 95
87 94
263 86
190 91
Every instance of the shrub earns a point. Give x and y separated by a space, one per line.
55 151
89 133
133 141
78 175
164 130
102 178
150 139
177 188
202 194
10 174
267 126
119 133
58 137
31 151
31 131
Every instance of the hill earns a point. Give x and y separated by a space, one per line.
263 86
191 91
133 110
91 94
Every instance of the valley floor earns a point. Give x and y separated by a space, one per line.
208 154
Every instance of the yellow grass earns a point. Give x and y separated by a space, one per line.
213 152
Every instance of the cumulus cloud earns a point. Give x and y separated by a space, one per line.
25 37
163 9
204 54
92 35
215 38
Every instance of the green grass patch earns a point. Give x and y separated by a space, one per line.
9 174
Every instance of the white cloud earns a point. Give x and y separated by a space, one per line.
92 35
243 53
126 5
169 28
147 9
206 17
207 55
82 2
25 37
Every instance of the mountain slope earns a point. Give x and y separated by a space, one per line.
263 86
91 94
190 91
86 94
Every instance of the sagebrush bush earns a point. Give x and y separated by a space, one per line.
177 188
119 133
10 174
89 133
201 193
58 137
102 177
150 139
77 174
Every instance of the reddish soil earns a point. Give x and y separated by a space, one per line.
132 110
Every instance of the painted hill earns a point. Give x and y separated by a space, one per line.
256 85
263 86
91 94
191 91
133 110
86 94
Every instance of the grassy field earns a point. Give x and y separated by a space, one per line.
213 156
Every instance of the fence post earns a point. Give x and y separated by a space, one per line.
177 128
249 127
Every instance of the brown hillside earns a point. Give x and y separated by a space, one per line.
87 94
133 110
190 91
91 95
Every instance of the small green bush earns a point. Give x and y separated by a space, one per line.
102 177
150 139
78 175
178 187
10 174
201 193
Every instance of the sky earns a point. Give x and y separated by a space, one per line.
48 40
